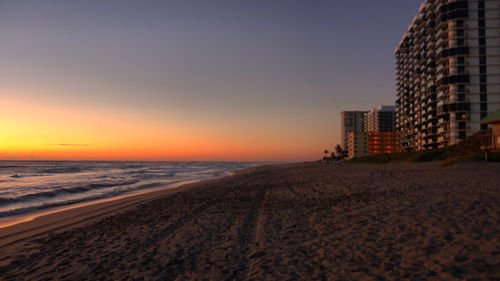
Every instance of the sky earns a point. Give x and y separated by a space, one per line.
223 80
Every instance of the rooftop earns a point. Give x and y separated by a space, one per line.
492 118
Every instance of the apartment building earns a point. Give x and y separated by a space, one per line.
372 143
381 119
358 144
351 121
448 72
383 143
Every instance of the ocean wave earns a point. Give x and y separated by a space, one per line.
63 191
11 166
61 170
44 206
20 176
34 185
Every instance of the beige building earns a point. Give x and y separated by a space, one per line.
357 144
448 72
351 121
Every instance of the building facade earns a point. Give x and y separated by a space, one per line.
372 143
381 119
351 121
383 143
358 144
448 72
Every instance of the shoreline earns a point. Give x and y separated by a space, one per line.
302 221
25 226
30 216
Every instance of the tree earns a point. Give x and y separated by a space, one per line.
326 152
341 152
338 149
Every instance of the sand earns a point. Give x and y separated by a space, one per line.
308 221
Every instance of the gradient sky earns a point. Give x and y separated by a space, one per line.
191 79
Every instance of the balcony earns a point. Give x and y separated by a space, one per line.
442 69
455 50
454 25
457 77
441 41
455 62
453 107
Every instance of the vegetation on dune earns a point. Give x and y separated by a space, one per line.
467 150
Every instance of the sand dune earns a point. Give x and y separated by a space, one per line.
290 222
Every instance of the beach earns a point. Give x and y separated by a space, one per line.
307 221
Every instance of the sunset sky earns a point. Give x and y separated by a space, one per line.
254 80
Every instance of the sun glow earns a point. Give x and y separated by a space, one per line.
42 130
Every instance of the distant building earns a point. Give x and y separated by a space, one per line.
351 121
357 144
382 143
448 72
381 119
372 143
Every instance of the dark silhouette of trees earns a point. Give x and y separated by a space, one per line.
326 152
338 149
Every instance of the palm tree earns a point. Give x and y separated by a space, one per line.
340 152
338 149
326 152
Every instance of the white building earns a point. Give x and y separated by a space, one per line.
448 72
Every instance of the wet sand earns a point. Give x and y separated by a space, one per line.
290 222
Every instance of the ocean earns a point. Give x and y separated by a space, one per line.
33 186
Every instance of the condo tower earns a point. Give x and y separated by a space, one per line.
448 72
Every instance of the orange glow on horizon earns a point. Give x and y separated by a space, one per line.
34 130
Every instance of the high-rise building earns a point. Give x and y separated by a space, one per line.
448 72
381 119
351 121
